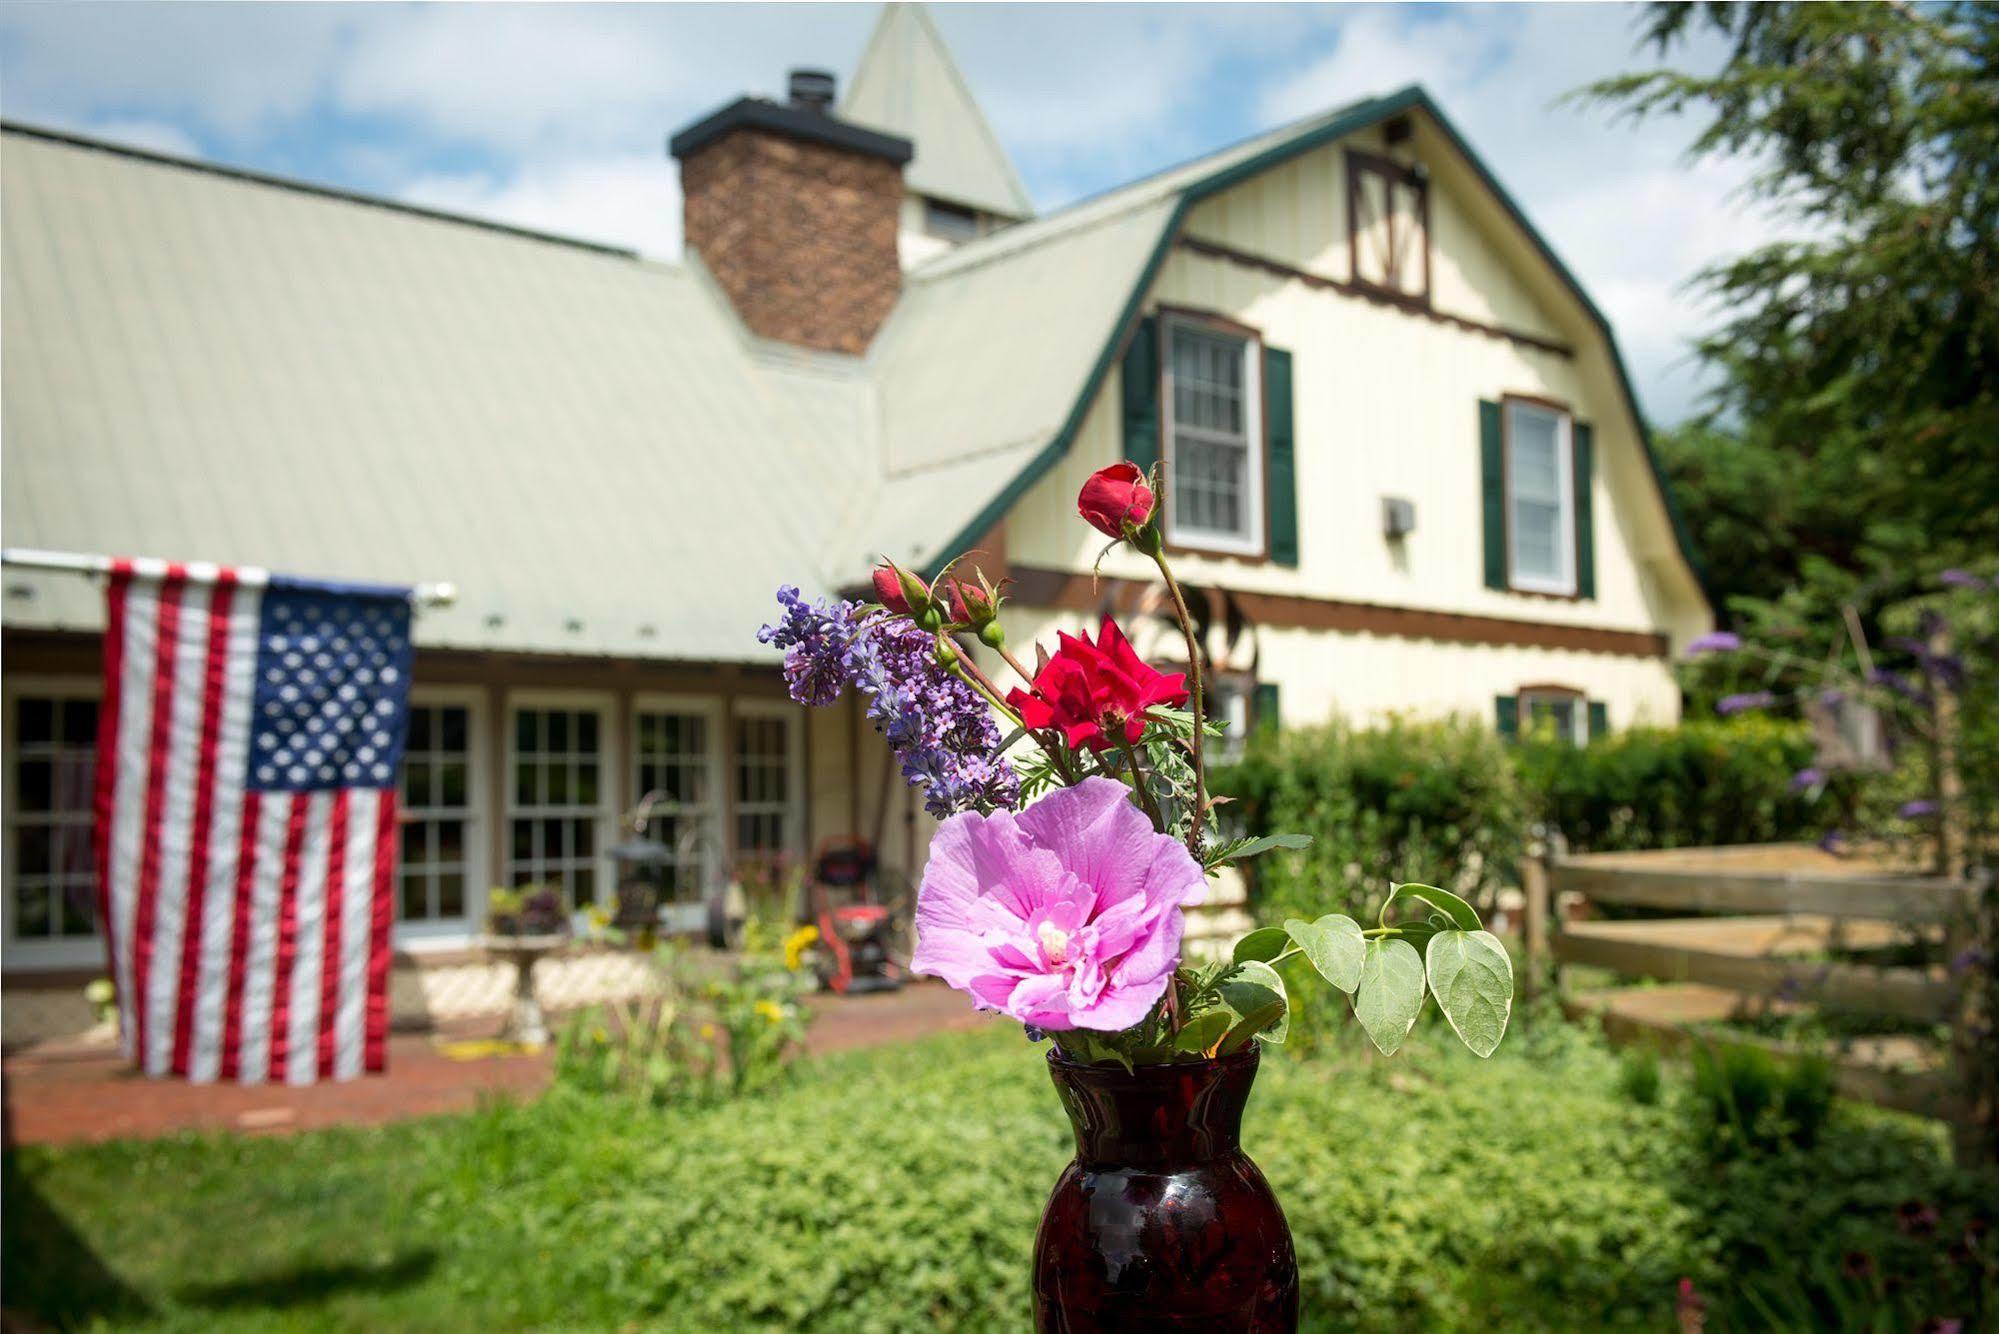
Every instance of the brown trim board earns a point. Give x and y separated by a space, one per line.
1407 305
1064 591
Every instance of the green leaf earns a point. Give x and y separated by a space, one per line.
1335 946
1243 849
1461 913
1203 1031
1472 978
1391 992
1254 994
1263 944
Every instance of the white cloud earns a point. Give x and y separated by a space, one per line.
624 201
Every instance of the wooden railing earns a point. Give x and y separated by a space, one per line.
1753 934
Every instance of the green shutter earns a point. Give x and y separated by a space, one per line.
1599 719
1263 707
1585 450
1509 716
1492 474
1141 395
1283 456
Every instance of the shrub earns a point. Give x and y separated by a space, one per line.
1638 1076
1750 1101
1435 802
1705 783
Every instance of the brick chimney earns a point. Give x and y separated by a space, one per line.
794 212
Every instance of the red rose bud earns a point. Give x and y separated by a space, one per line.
1116 501
888 590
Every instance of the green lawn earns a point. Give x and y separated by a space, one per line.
899 1189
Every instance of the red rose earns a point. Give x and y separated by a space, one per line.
1114 497
894 586
1097 694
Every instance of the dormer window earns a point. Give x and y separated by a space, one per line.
949 222
1388 226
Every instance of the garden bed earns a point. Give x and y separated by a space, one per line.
899 1188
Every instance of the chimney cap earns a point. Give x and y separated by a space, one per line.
812 126
812 90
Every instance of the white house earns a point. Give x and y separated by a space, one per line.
1404 467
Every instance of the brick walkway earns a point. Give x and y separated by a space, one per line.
67 1097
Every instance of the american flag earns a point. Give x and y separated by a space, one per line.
248 747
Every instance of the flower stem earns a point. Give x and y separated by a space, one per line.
972 673
1200 819
1144 790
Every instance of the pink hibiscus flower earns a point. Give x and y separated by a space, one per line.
1064 915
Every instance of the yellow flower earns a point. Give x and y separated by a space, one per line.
707 1030
797 943
770 1010
599 918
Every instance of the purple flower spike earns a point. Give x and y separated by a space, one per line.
1729 705
1960 579
1721 641
1916 810
1807 778
1833 840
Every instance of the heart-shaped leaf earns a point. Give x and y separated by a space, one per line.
1391 992
1335 946
1263 944
1473 980
1255 994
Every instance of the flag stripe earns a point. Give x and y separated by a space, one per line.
230 1065
277 1063
378 951
167 904
214 674
234 813
331 932
357 911
266 883
166 647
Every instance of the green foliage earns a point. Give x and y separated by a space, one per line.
1864 359
1706 783
712 1030
1408 801
1750 1101
1639 1076
898 1189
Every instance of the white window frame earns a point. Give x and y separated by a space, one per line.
610 762
40 952
1564 584
1577 703
714 856
1252 542
794 808
478 820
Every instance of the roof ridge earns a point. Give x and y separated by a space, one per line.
74 140
1008 240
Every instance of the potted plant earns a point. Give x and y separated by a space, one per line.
1069 848
523 926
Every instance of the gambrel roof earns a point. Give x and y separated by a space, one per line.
202 364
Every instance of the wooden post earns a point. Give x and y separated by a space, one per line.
1969 946
1953 819
1534 917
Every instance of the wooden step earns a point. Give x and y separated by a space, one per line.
1757 955
1904 1073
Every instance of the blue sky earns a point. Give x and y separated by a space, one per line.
555 116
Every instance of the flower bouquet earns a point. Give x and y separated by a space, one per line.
1077 828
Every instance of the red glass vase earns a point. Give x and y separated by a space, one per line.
1162 1222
